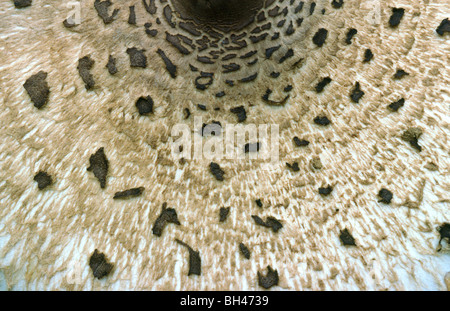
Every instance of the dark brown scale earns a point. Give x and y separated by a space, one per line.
132 16
274 12
176 42
249 78
111 65
229 57
248 54
256 39
102 8
190 27
171 68
194 259
231 68
38 89
85 65
270 279
137 58
99 165
168 215
150 6
168 15
99 265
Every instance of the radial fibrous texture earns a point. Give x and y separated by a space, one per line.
92 197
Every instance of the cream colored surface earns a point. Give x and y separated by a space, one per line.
46 237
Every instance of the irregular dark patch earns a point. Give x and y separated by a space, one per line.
347 238
190 27
322 84
322 120
356 93
397 15
300 142
150 32
412 136
171 68
220 94
223 214
111 65
244 250
350 34
168 15
268 280
294 166
99 265
249 78
289 54
258 202
395 106
368 56
43 179
275 74
204 81
144 105
271 50
288 88
137 58
229 57
22 3
168 215
176 42
400 74
85 65
444 231
99 166
325 191
385 195
248 54
133 192
290 30
320 37
216 171
240 113
132 16
312 8
102 10
37 88
337 3
270 222
229 82
195 262
150 6
443 27
299 7
256 39
231 67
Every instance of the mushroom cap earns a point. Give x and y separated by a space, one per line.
47 237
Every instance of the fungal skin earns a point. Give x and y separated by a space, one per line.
44 234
